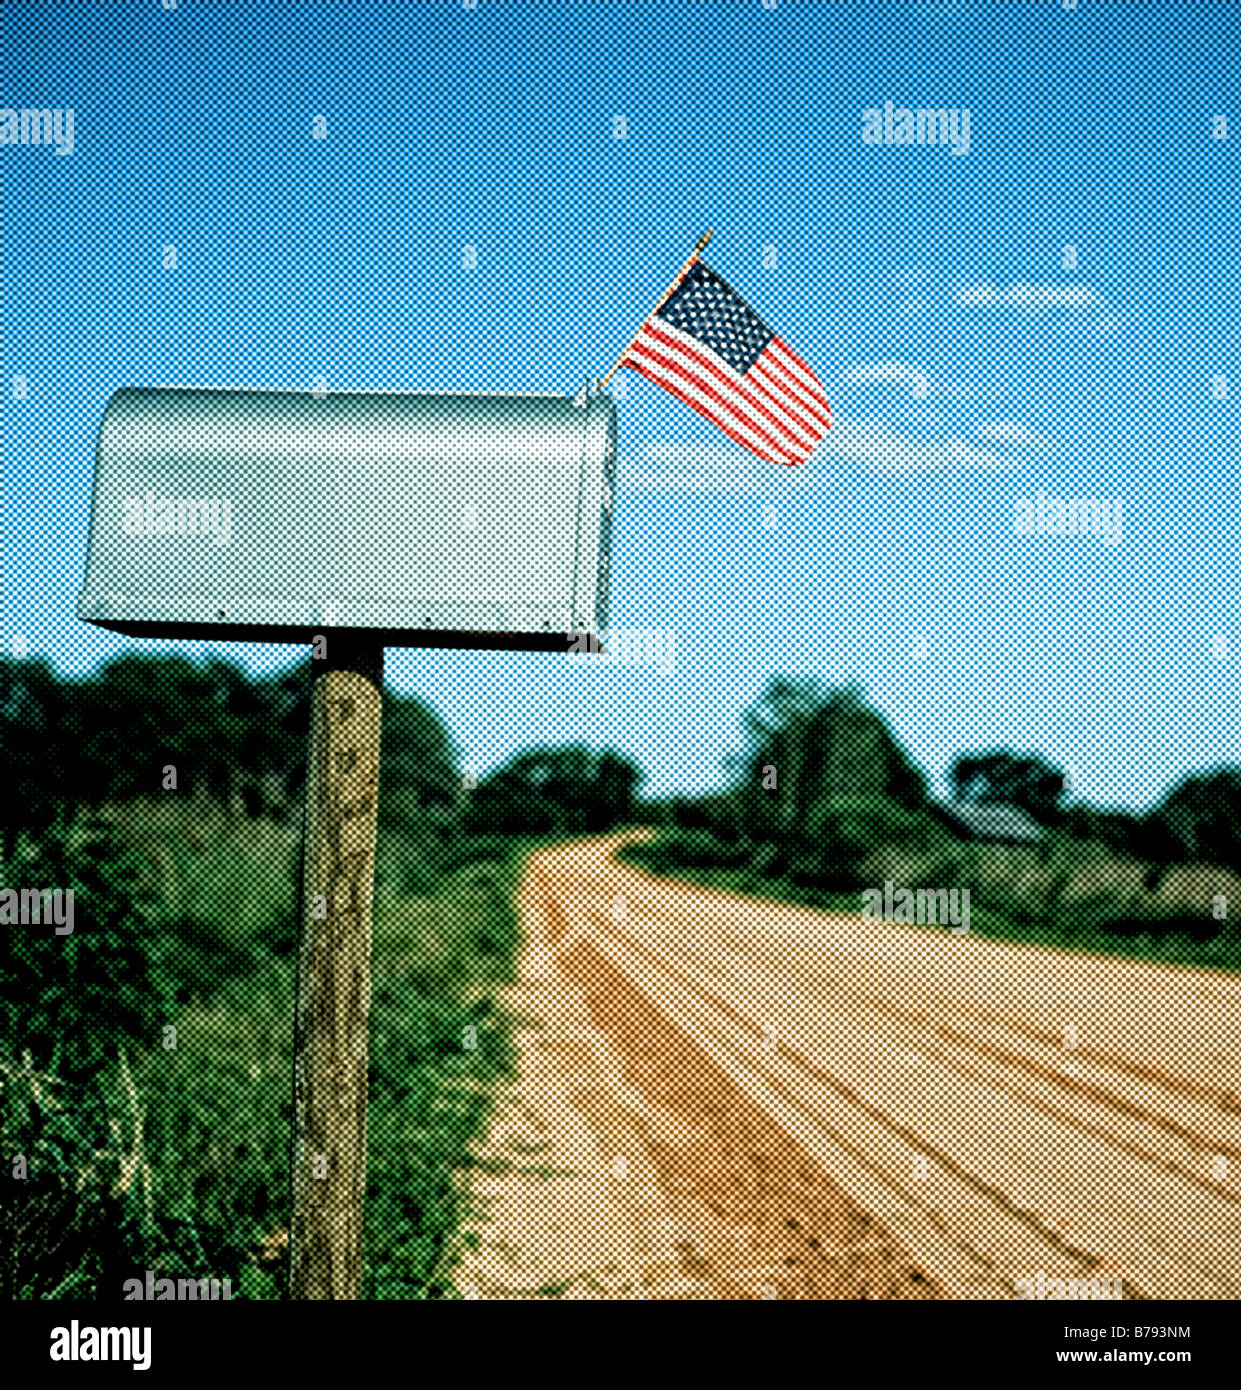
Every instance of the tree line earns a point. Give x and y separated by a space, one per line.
820 769
71 744
821 776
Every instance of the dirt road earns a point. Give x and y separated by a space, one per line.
826 1108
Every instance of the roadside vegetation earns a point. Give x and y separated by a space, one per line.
146 1056
823 805
153 1149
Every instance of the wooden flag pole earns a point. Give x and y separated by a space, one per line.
702 241
330 1047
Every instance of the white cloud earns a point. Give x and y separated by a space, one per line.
675 467
1031 298
959 453
885 451
1050 296
891 371
976 294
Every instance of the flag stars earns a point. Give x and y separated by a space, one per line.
707 308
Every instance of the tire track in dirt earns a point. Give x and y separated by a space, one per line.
778 1226
1006 1157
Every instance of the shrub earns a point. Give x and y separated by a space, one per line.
688 849
843 833
65 1226
72 1000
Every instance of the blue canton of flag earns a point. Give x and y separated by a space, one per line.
708 347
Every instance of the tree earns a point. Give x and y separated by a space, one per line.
820 744
1122 833
223 731
39 747
419 781
70 743
569 788
1025 779
616 783
72 998
845 831
718 813
1201 815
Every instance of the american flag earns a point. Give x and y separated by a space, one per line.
707 346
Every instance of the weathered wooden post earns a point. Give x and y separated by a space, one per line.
334 970
351 521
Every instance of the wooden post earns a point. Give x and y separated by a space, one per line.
334 968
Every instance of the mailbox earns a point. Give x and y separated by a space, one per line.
425 519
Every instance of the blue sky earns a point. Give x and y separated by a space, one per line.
967 367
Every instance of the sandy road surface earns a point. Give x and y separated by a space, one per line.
825 1108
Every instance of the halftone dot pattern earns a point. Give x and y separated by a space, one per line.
736 333
837 1024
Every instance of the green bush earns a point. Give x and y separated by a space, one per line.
688 849
66 1227
198 938
71 1000
233 911
843 833
438 1045
472 849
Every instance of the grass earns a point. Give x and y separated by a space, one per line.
200 1119
1066 896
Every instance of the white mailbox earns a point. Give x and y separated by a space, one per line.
425 520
